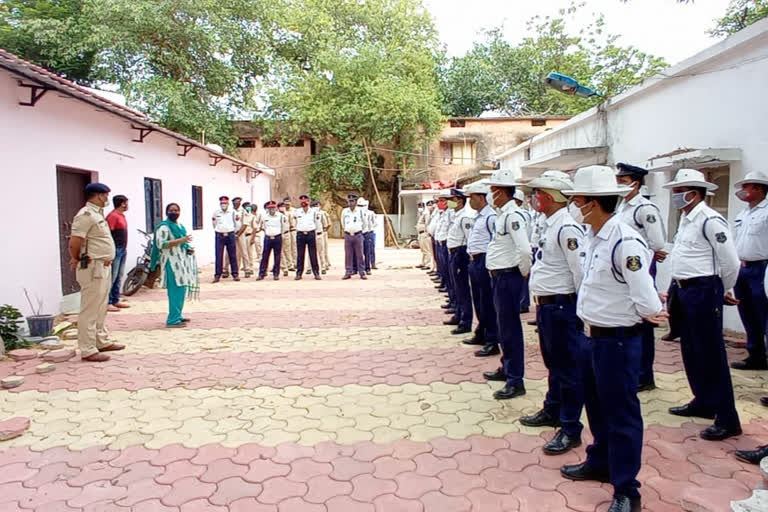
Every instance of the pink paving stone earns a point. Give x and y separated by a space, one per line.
389 467
583 498
672 451
456 483
153 505
264 469
429 465
697 499
251 505
572 457
544 479
20 454
413 486
368 451
327 451
144 490
473 464
347 504
523 443
670 491
289 452
279 489
540 501
13 427
17 472
211 452
252 451
96 492
486 501
13 491
180 469
48 493
504 482
93 473
233 489
131 455
299 505
222 469
22 354
51 473
304 469
346 468
439 502
186 490
172 453
445 447
322 488
407 449
721 468
487 445
137 472
366 487
390 503
60 506
201 506
673 469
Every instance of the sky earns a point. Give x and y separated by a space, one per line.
663 28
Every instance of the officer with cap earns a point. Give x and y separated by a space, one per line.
323 224
257 245
372 222
750 232
645 218
441 237
91 252
244 238
226 222
288 228
458 234
705 265
422 221
525 296
307 226
362 205
486 333
275 224
353 223
555 279
615 295
290 212
434 216
508 261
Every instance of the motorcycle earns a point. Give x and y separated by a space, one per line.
141 274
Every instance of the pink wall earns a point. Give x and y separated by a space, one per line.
63 131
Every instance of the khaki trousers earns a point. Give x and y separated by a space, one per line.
294 249
322 250
258 247
95 282
286 261
425 243
243 254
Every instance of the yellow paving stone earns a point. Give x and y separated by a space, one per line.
308 423
164 438
461 430
436 419
236 438
494 429
276 437
471 417
159 424
127 439
368 422
450 407
404 421
90 439
345 435
388 434
334 423
425 433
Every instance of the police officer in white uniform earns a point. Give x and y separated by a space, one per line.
508 261
434 216
353 224
705 265
615 295
525 296
458 234
555 278
645 217
441 237
750 232
275 224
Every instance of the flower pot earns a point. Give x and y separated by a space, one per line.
40 325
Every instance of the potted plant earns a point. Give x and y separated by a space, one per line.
39 325
9 328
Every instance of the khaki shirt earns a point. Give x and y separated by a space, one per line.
247 220
325 219
258 222
91 225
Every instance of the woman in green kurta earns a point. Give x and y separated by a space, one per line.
178 265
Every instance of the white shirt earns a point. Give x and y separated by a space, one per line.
560 258
510 246
352 220
306 220
434 221
697 255
370 220
274 224
617 289
750 233
444 224
482 231
645 218
458 233
538 228
225 221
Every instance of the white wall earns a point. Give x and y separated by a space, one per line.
67 132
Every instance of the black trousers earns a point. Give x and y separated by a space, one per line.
308 241
276 246
228 240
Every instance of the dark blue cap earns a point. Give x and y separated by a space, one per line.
351 196
630 170
456 192
96 188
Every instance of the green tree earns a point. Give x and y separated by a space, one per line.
739 15
498 76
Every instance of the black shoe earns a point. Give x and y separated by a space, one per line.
452 321
752 456
347 276
764 400
442 289
540 419
236 278
623 503
461 330
297 278
260 278
488 351
367 272
508 392
450 311
216 279
285 273
322 271
531 322
497 376
292 269
474 340
374 267
525 310
445 306
362 276
561 443
225 275
648 386
276 278
317 277
670 336
750 364
688 410
583 472
715 433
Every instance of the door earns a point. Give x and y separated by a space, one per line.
71 190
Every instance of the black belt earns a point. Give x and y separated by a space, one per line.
478 256
695 281
248 234
500 271
546 300
757 263
353 234
457 248
273 237
615 332
225 234
306 232
292 230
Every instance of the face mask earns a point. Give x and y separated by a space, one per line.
452 204
282 209
420 210
442 205
679 201
173 216
576 213
224 206
304 203
272 211
743 195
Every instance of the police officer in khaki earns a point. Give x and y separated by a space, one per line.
91 252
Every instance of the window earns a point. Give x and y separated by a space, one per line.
270 144
458 153
720 176
458 123
538 122
246 143
197 207
153 202
298 144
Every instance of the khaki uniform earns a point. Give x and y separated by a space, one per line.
239 212
244 259
322 239
294 252
425 241
288 257
96 280
256 247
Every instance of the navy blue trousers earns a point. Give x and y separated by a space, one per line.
367 250
649 344
276 247
613 410
373 248
753 308
353 254
703 348
506 300
525 295
308 242
227 240
482 298
445 272
460 275
561 339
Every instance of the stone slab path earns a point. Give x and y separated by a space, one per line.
328 396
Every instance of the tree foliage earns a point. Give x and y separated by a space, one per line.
739 15
498 76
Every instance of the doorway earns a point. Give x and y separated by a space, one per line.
70 185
